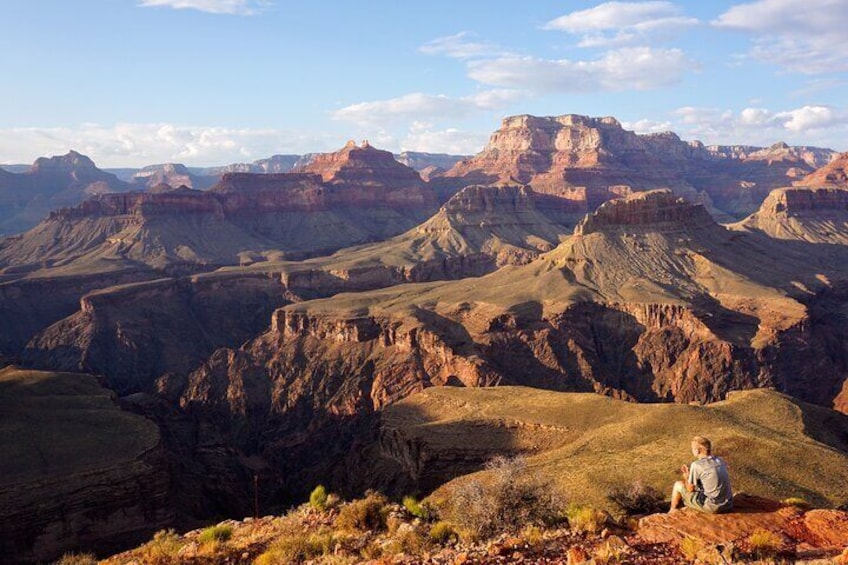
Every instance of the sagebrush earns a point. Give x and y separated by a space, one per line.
508 499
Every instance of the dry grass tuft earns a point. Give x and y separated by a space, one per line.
366 514
764 544
77 559
585 519
162 549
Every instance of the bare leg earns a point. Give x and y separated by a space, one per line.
676 496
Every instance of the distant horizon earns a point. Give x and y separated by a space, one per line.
204 82
359 141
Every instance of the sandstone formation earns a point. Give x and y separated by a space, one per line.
420 161
174 175
833 174
803 534
135 333
51 183
77 472
650 300
591 160
816 215
366 196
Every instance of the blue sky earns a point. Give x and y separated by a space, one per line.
202 82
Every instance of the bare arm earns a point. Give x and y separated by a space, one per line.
685 471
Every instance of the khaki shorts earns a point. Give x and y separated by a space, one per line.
694 499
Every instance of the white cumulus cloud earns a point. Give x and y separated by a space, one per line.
136 145
235 7
813 125
422 136
631 68
808 37
619 23
418 106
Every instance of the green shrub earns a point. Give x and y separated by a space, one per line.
637 498
443 533
318 498
77 559
365 514
220 533
509 499
162 549
584 519
415 508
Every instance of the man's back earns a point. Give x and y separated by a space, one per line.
709 475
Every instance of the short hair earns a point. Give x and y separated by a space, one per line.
704 443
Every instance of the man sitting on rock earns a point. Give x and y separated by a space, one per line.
706 485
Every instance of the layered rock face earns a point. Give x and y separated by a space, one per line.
816 215
137 333
650 300
832 174
51 183
174 175
366 196
78 473
591 160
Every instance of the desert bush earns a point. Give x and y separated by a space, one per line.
584 519
77 559
414 507
764 544
212 534
636 498
365 514
407 540
443 533
318 498
509 499
162 549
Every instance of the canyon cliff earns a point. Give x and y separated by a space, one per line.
51 183
649 300
588 161
364 195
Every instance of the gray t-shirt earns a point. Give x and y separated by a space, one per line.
709 475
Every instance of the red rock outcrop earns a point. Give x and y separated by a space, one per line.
51 183
804 534
834 174
591 160
367 196
816 215
174 175
361 165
